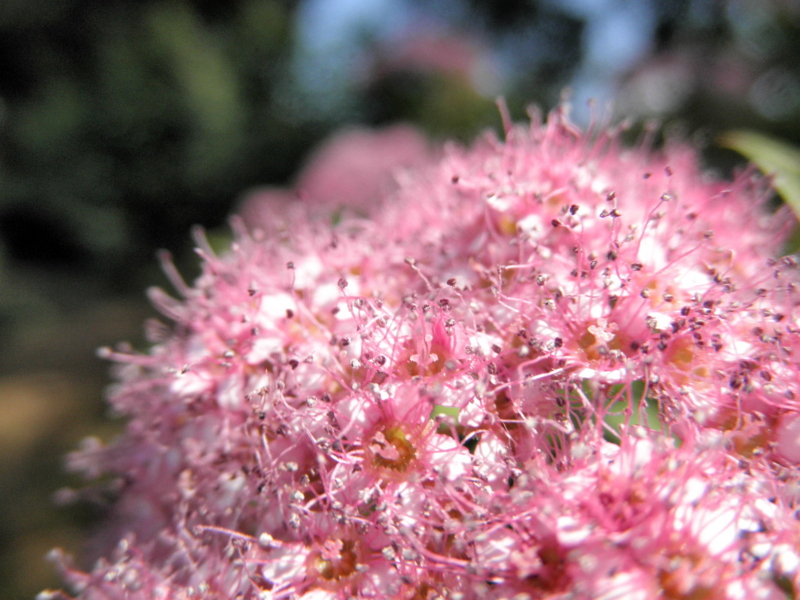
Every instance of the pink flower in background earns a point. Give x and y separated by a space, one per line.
429 52
545 367
353 170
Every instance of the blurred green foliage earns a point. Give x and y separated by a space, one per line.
773 157
124 123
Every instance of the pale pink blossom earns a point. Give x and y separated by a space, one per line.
352 170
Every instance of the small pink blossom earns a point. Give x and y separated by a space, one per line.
352 170
545 367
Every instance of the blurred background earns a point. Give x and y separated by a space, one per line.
124 123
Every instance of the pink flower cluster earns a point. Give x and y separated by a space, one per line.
545 367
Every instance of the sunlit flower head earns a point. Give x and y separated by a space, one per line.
549 366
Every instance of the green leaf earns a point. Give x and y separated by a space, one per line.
441 409
627 404
451 412
772 157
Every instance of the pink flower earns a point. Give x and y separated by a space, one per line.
545 367
352 170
